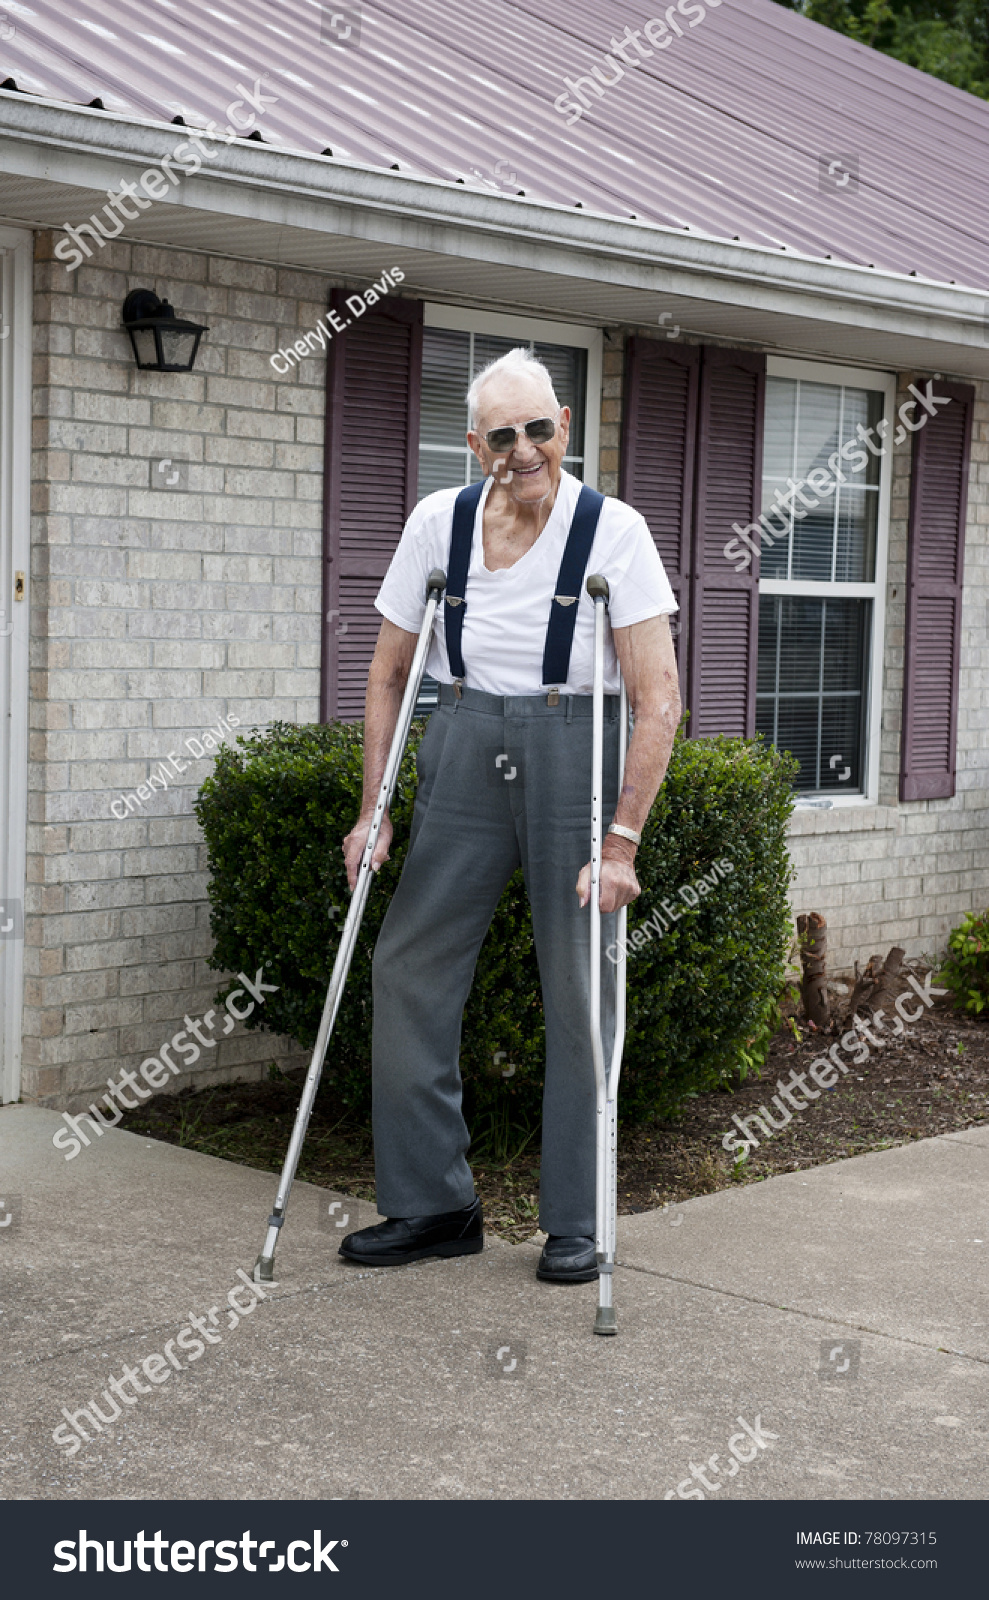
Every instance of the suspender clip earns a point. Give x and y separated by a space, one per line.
458 688
553 698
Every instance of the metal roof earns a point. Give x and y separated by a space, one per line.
728 130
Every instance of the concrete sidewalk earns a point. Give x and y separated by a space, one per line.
349 1383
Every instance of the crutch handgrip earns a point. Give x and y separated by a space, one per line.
436 582
597 587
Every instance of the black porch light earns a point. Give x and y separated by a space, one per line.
162 341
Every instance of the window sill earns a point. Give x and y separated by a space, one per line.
846 817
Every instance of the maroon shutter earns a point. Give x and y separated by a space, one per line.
370 476
724 604
935 556
659 426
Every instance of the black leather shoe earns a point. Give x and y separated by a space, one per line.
566 1259
403 1239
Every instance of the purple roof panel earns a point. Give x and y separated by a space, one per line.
737 119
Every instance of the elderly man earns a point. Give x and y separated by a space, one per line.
513 654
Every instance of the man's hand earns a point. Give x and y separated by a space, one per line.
355 842
619 885
386 681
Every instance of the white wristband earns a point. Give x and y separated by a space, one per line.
625 833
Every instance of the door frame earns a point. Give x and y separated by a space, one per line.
16 297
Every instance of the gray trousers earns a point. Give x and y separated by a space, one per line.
476 819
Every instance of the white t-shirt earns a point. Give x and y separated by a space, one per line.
507 611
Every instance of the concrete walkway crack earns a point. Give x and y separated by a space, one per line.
810 1316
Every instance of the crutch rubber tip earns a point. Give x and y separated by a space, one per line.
436 581
597 587
264 1269
606 1322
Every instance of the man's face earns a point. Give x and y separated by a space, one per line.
528 471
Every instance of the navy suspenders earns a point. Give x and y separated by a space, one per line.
464 512
563 611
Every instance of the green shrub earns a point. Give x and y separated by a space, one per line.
277 806
704 999
966 968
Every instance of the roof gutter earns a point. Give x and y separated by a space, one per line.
88 149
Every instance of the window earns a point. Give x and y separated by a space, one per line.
456 345
455 348
825 493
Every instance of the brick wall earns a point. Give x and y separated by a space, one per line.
156 611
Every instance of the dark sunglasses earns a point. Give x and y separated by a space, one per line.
540 432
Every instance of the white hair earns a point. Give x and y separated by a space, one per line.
517 362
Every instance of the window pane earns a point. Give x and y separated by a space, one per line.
818 418
775 557
858 516
799 626
568 369
844 644
818 414
781 414
796 731
841 745
863 408
441 469
766 681
813 541
812 684
488 347
445 367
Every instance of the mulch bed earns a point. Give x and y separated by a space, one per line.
932 1079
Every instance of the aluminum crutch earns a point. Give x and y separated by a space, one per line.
606 1079
264 1267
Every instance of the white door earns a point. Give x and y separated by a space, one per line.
16 259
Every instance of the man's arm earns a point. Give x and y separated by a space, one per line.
645 654
386 682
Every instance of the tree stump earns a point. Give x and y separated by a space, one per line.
813 934
877 987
